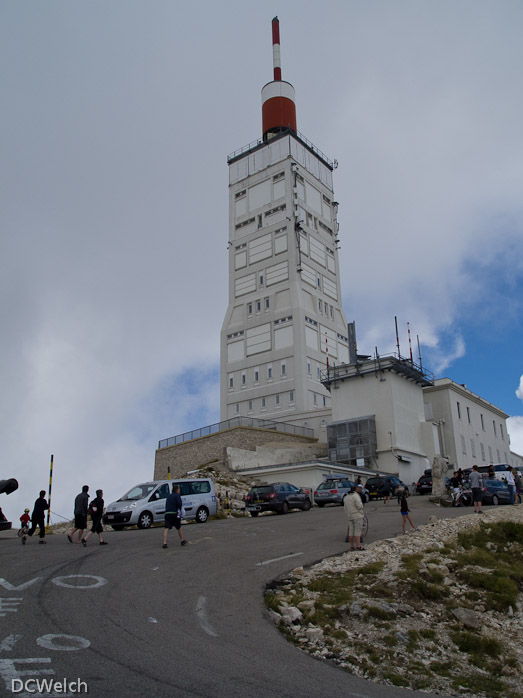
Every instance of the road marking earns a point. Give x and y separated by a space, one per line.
277 559
193 542
8 605
10 587
7 644
98 581
58 642
202 617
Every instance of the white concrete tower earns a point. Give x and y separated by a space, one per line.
285 321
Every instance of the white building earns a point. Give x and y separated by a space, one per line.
389 415
378 416
471 430
284 320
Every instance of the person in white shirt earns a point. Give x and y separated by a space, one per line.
353 506
511 484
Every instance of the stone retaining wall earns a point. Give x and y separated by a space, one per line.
207 449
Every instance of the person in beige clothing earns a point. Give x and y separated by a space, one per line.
353 506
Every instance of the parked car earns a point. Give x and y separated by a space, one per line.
375 485
144 504
279 497
424 484
495 492
334 491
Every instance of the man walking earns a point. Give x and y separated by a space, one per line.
38 516
81 504
476 485
353 506
173 515
96 509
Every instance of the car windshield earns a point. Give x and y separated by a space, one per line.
262 490
139 492
374 482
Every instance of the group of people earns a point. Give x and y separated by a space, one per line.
511 478
37 519
353 506
82 509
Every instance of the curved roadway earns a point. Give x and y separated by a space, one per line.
132 619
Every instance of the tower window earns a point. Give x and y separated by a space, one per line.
249 308
258 306
283 368
231 382
291 397
256 375
269 372
263 403
267 304
261 280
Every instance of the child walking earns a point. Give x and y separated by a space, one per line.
26 520
404 507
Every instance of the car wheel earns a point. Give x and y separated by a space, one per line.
145 519
117 528
307 505
320 504
202 515
254 513
284 508
495 500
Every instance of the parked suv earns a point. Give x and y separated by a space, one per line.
375 486
334 491
279 497
144 504
424 484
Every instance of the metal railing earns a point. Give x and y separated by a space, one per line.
231 424
395 361
260 142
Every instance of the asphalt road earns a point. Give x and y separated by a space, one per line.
132 619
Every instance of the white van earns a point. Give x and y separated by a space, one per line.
144 504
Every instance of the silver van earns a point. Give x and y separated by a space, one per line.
144 504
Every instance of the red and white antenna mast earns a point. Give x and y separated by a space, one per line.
276 56
410 343
278 107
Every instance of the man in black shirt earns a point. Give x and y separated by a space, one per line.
38 516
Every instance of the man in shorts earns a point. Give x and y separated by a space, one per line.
476 485
173 515
81 504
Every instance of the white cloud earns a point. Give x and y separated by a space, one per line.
519 391
515 429
113 279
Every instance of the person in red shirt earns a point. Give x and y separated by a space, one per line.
26 520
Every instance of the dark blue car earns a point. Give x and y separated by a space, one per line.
495 492
279 497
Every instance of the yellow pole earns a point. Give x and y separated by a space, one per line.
49 499
168 472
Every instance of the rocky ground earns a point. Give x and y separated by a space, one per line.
439 609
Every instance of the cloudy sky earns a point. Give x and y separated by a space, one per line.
117 118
